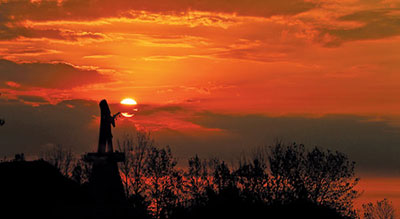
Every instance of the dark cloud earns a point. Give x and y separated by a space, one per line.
15 31
47 75
93 9
33 99
30 50
253 54
146 110
375 24
30 129
14 13
264 8
7 32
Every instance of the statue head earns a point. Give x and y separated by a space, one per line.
104 107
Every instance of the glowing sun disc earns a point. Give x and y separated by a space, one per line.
128 115
128 101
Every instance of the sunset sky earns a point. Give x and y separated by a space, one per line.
212 77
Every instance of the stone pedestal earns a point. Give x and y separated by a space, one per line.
105 184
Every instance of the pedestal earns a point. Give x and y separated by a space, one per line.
105 184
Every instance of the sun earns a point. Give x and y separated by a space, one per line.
127 115
127 109
128 101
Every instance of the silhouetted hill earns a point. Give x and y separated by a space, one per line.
37 189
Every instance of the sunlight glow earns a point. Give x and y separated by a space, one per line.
128 115
128 101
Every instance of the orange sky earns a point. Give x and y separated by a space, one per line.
374 189
321 72
264 57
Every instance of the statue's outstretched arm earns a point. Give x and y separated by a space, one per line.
113 118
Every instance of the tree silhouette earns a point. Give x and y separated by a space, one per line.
279 181
222 176
136 152
81 171
133 171
279 175
322 177
61 158
381 210
163 180
77 173
252 177
19 157
198 180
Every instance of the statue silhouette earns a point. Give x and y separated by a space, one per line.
106 120
104 181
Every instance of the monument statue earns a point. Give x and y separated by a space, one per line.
105 182
106 120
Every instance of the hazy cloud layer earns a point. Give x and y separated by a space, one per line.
373 144
48 75
93 9
73 123
373 24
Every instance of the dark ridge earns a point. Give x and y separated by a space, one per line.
36 189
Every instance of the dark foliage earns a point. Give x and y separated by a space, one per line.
230 204
276 180
381 209
282 181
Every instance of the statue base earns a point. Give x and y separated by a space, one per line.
105 157
105 184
